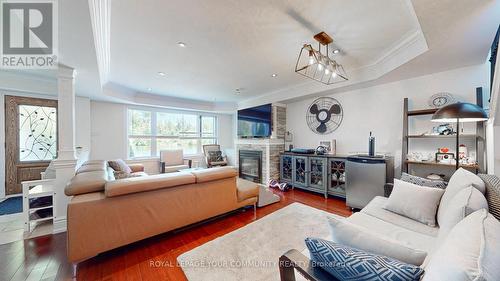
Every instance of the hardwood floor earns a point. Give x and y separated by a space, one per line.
44 258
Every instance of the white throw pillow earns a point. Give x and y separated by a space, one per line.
415 202
464 203
359 237
469 252
461 179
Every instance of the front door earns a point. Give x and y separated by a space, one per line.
30 139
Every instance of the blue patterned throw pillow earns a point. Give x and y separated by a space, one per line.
349 264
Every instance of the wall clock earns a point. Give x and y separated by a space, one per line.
441 99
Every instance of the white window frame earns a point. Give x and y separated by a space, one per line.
154 135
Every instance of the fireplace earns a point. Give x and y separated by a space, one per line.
250 163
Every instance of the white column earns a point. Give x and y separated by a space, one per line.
66 161
66 112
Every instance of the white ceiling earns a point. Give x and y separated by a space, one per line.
239 44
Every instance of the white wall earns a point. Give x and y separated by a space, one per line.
82 122
109 134
380 109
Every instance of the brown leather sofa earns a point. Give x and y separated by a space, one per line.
105 214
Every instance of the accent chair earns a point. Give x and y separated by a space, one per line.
173 160
213 155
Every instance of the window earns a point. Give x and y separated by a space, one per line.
149 132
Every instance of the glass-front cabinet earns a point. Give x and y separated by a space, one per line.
300 171
317 173
286 168
323 174
336 177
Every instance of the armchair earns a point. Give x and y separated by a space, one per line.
173 161
207 148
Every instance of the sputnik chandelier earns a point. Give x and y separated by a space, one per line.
317 66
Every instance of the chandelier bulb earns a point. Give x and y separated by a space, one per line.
334 74
327 71
320 66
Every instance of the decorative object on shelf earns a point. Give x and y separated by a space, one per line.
460 112
445 129
441 99
324 115
419 156
446 158
333 147
444 150
327 145
321 150
315 65
371 145
462 151
288 136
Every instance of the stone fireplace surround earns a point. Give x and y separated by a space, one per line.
270 148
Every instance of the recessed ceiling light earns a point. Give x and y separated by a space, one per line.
336 51
150 89
274 75
181 44
161 73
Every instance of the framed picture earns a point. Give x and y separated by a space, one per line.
327 144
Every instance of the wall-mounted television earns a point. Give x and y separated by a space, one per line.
255 122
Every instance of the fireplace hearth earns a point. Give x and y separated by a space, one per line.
250 165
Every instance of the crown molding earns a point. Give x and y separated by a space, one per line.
100 16
406 49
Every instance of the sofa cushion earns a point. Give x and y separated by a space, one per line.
492 184
86 183
346 263
415 240
423 181
135 168
92 167
359 237
469 252
376 209
214 174
415 202
153 182
461 179
464 203
93 162
246 189
123 175
119 165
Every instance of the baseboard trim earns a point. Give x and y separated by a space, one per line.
60 225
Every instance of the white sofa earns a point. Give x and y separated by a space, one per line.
415 235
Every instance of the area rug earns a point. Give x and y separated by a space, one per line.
11 206
252 252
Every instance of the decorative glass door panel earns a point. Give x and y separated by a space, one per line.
336 184
286 166
317 168
300 171
37 133
30 139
